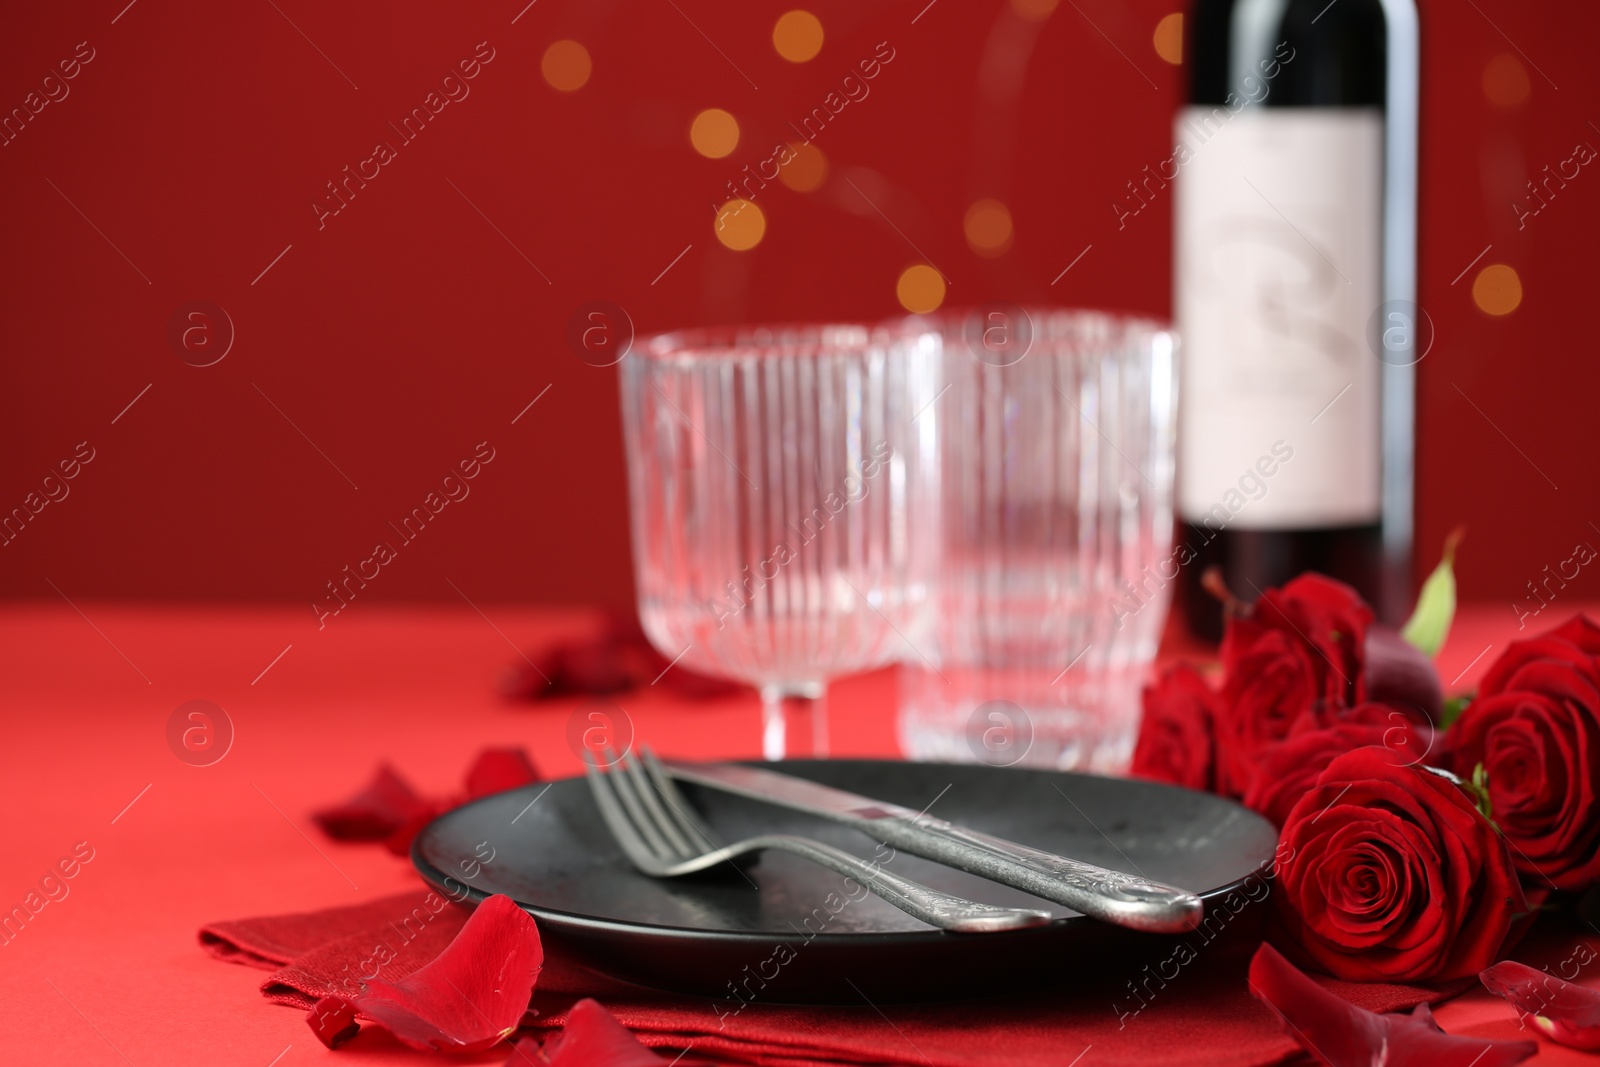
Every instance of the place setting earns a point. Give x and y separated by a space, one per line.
713 865
1285 850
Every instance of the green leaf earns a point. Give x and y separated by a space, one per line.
1436 605
1478 790
1453 707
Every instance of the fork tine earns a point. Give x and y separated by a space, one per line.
637 816
684 812
616 819
652 803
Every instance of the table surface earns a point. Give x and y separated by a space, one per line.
111 973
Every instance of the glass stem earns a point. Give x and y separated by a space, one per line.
794 720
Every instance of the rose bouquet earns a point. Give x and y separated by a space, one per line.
1416 834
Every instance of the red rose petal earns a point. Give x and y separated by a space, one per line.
619 656
1424 1015
525 1052
333 1021
498 770
1415 1044
386 803
399 842
580 665
1339 1034
473 995
594 1038
696 686
530 678
594 667
1569 1014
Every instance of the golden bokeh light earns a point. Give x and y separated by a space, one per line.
988 228
920 289
1168 39
566 66
1497 290
806 170
1034 10
714 133
797 36
1505 81
740 225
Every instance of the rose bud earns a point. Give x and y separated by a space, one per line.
1398 674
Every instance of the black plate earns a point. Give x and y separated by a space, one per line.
788 925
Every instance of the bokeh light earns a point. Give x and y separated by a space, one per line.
1505 81
1034 10
566 66
1168 39
797 36
988 228
920 289
714 133
740 225
1497 290
806 171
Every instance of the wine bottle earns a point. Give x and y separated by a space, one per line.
1296 275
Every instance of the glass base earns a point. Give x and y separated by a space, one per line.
1080 722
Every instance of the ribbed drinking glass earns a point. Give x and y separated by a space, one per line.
778 479
1056 430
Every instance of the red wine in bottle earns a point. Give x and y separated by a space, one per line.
1296 276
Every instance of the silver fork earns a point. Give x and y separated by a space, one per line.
664 838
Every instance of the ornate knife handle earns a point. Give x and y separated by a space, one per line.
1112 896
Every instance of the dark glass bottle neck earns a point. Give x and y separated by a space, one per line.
1338 51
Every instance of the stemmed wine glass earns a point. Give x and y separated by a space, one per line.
779 476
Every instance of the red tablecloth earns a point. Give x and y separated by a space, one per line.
111 973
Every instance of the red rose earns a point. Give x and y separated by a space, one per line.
1290 770
1297 651
1392 874
1580 631
1327 617
1575 641
1267 690
1538 739
1175 736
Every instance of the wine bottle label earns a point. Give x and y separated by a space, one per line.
1279 219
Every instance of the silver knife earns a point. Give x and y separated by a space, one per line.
1112 896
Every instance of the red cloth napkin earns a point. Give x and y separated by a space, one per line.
1203 1017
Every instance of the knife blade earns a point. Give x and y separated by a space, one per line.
1129 900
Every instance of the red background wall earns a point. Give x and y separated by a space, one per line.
381 348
